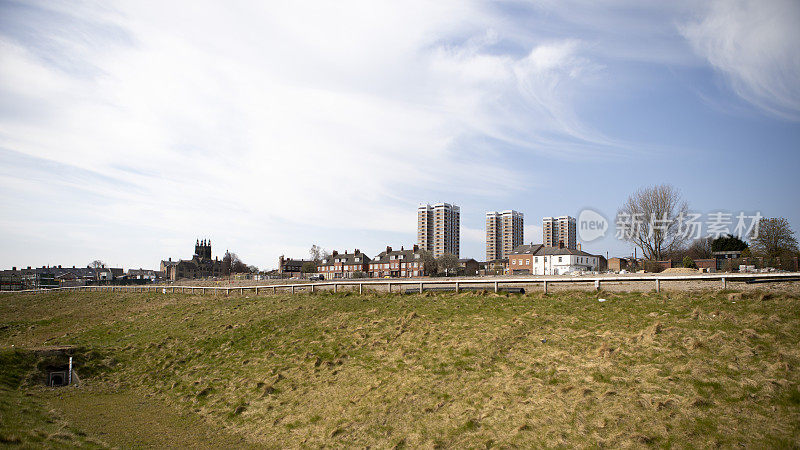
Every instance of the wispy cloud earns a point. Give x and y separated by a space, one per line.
754 44
344 115
272 126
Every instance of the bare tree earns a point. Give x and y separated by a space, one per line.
429 266
97 264
652 219
317 253
773 237
232 264
447 263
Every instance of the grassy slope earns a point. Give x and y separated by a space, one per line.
444 369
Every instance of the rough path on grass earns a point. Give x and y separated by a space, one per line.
128 419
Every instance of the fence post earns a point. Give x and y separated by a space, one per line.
596 285
312 288
420 288
292 289
545 286
724 283
227 291
457 289
274 289
658 285
335 288
390 287
360 288
241 291
496 287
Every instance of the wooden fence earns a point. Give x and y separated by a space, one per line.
419 285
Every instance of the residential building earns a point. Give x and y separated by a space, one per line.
538 259
344 265
616 264
144 275
166 264
503 233
290 267
39 280
467 267
401 263
439 228
11 280
495 267
559 230
200 266
61 276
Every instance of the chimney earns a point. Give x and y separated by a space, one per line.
388 249
14 269
579 247
401 248
356 251
334 253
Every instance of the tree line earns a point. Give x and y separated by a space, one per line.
772 238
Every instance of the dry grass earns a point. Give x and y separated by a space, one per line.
453 370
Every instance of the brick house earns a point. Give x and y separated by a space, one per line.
397 263
343 265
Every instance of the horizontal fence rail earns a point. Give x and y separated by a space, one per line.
495 284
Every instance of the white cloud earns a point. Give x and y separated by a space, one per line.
754 44
473 234
263 118
533 233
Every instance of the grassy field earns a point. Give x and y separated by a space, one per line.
432 370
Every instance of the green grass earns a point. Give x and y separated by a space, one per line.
443 369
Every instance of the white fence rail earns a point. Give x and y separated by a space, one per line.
495 284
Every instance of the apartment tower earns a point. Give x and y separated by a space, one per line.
503 233
439 228
559 230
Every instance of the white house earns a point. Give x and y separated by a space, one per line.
536 259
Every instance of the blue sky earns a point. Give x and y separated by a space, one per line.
130 129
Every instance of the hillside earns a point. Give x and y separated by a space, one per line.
452 370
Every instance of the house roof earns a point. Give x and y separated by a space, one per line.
141 272
407 255
349 258
294 262
541 250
